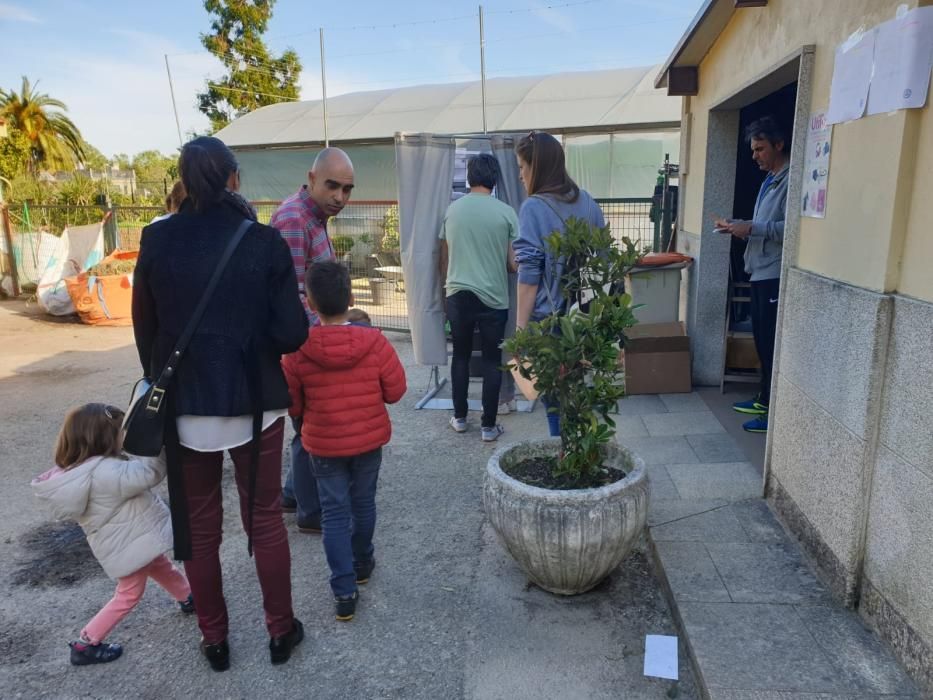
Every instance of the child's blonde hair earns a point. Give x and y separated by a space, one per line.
91 430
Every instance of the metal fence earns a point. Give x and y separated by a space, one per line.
631 218
364 236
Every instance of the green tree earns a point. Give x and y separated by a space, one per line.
255 77
93 159
54 141
14 154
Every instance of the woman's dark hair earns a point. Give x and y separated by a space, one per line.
544 154
205 165
767 129
483 171
174 198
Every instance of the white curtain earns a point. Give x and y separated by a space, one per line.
425 165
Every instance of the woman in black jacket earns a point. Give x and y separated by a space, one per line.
228 392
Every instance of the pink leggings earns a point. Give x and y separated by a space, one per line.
130 591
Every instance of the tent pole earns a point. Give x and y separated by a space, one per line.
482 63
324 88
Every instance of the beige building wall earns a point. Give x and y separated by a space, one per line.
858 241
851 445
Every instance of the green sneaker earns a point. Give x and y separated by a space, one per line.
752 407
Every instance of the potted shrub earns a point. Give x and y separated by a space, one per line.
570 509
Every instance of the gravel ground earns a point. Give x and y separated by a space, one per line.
447 613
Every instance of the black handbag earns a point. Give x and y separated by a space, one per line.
144 424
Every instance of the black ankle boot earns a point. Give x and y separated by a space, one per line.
217 655
280 648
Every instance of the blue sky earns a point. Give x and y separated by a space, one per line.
105 60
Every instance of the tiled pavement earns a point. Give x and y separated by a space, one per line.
756 621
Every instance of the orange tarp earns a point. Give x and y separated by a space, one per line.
106 300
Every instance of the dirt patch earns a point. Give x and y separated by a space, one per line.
539 471
56 555
18 643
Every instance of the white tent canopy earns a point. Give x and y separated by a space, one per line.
614 99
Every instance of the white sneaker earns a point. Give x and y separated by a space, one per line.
492 434
507 407
458 424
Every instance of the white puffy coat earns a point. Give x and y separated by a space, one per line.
126 524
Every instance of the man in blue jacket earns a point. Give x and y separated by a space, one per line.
765 237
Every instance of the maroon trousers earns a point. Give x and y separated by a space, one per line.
203 473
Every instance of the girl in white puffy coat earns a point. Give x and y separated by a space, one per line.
127 526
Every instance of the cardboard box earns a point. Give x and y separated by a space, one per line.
657 359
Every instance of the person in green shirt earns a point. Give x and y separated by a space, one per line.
476 258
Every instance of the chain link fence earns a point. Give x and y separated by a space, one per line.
364 236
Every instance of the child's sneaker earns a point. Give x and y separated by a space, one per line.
364 570
507 407
84 654
187 605
492 434
458 424
346 606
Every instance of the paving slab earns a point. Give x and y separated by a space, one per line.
734 481
641 405
630 427
662 450
691 573
766 573
680 403
668 510
854 650
751 646
716 447
719 525
758 521
691 423
661 488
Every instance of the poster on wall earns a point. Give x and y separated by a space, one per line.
902 63
848 93
816 166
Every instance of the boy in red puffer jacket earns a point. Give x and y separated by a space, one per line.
340 381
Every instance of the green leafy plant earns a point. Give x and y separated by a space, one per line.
343 245
390 236
573 357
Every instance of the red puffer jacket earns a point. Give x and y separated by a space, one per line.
340 381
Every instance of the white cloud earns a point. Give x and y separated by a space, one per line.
13 13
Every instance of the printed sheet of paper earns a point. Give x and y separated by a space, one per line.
816 166
661 656
852 71
903 62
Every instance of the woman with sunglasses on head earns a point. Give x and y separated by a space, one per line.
553 198
228 392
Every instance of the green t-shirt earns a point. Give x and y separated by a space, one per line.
478 229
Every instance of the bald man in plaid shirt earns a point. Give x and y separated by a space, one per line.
302 221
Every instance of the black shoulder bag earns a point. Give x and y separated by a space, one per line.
145 419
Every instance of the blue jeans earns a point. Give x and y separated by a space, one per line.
300 484
347 487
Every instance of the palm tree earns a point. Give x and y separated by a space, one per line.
55 142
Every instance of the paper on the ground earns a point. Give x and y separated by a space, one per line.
903 62
848 94
661 656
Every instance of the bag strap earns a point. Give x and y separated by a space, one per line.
157 394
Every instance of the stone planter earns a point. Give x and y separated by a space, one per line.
566 541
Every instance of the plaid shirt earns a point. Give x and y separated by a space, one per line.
304 227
